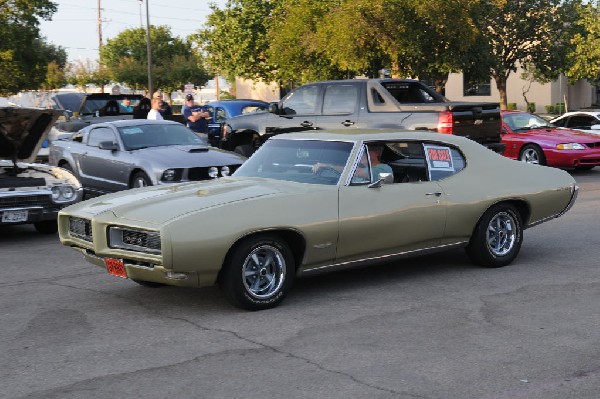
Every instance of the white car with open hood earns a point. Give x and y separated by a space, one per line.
30 192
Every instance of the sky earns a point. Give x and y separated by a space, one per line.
74 26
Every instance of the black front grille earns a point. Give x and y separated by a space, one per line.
80 228
141 239
593 145
23 201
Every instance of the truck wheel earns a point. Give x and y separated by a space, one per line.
46 226
497 238
244 149
140 179
258 273
532 153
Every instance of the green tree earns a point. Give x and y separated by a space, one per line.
55 77
584 58
517 32
234 39
174 62
24 55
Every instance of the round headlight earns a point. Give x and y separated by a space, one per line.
213 172
55 192
168 175
68 192
225 171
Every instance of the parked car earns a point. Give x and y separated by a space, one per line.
99 107
532 139
586 121
306 203
223 110
31 193
114 156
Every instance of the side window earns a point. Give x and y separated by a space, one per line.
561 123
443 161
302 101
340 99
220 115
362 174
581 122
100 134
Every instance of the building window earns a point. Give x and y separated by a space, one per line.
475 87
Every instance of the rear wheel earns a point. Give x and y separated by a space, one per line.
140 179
258 273
497 238
46 226
532 153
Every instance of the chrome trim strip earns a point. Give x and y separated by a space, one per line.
383 258
24 193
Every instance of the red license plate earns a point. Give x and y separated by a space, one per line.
115 267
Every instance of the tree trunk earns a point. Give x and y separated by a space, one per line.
501 86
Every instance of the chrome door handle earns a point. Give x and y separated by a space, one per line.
347 123
437 194
306 124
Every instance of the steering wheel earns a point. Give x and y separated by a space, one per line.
325 169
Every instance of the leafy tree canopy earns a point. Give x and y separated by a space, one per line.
584 59
24 54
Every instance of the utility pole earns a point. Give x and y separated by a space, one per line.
148 50
100 45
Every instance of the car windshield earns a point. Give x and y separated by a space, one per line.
158 135
98 104
521 121
294 160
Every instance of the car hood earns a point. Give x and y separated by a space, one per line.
159 204
185 156
562 135
23 130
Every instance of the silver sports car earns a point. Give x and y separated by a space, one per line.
118 155
306 203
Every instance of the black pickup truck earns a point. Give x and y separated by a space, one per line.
398 104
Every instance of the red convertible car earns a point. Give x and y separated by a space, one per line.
532 139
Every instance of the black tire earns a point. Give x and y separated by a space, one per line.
497 238
532 153
68 167
244 149
256 286
139 179
150 284
46 226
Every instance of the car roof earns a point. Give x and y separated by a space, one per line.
595 113
360 135
134 122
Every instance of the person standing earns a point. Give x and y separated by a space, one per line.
154 112
165 108
197 116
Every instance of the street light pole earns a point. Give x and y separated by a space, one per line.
149 51
140 4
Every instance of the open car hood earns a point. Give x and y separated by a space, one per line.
23 130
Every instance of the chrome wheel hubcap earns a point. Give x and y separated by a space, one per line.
501 234
530 156
263 271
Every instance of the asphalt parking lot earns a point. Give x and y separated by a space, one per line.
434 327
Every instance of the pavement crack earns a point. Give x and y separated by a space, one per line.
242 338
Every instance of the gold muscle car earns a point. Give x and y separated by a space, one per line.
311 202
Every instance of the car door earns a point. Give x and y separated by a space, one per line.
340 106
393 218
104 170
298 111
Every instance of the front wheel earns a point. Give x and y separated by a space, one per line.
258 273
497 238
533 154
140 179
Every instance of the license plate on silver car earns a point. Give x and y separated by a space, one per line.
14 216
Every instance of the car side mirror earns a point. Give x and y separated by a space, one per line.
274 108
108 145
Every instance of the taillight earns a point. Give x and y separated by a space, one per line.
445 122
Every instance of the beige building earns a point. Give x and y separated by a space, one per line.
575 96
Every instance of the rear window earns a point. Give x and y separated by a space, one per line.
412 92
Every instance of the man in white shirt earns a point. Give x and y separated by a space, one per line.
154 112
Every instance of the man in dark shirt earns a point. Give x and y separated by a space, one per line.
197 116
